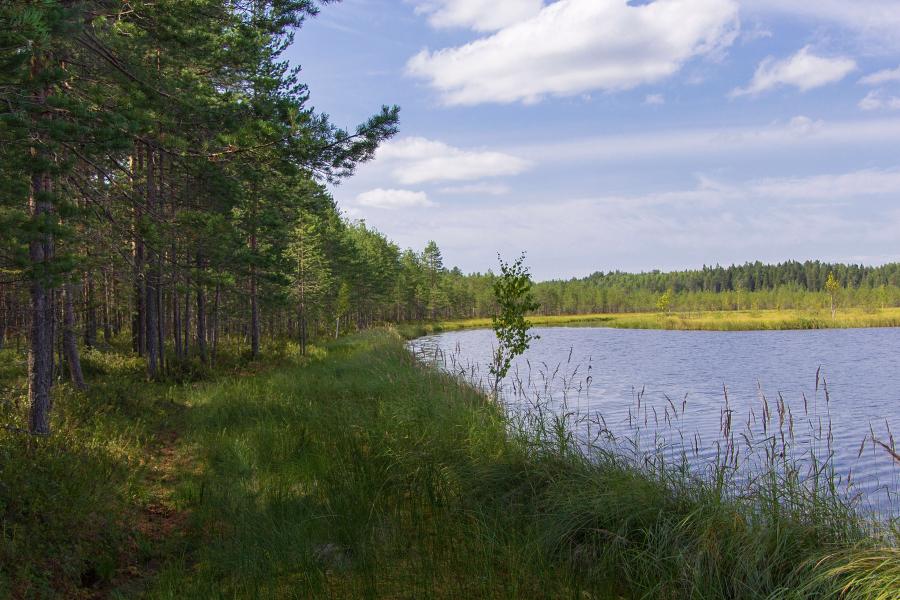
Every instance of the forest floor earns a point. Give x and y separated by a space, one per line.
357 472
718 320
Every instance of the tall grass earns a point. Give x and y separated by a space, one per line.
72 504
367 474
362 473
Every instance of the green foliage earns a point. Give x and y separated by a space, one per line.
364 474
664 302
512 291
832 286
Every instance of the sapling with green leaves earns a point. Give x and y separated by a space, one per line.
515 299
664 302
832 286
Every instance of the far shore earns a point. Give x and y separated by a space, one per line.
722 320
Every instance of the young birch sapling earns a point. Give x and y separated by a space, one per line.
515 299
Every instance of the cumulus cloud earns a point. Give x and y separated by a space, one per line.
477 14
803 70
877 100
416 160
393 199
880 77
576 46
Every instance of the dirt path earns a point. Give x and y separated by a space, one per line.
159 526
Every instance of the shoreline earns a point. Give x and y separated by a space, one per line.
737 320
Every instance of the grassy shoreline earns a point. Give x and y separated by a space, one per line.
360 473
736 320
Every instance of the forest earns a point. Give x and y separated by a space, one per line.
164 178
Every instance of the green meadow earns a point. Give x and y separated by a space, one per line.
359 473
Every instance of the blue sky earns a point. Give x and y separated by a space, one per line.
608 134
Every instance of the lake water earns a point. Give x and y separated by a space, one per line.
657 386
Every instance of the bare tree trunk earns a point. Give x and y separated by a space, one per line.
40 254
139 316
40 351
201 314
214 338
254 304
176 322
90 312
70 344
151 284
303 332
4 316
150 310
160 316
107 300
57 309
187 323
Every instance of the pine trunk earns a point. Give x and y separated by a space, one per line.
214 327
254 304
40 254
90 312
40 351
201 314
70 344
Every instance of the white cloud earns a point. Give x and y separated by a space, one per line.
477 14
877 100
803 70
828 216
757 32
476 189
393 199
876 21
802 126
800 133
880 77
576 46
654 99
416 160
842 186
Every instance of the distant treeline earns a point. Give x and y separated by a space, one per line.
753 286
790 285
809 276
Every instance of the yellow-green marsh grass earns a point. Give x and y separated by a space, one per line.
733 320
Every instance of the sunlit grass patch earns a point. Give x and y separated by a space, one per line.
731 320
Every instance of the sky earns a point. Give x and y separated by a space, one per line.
628 135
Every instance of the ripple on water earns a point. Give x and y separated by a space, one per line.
673 383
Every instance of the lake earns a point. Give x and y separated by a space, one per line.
829 390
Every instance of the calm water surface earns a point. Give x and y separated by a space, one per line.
650 383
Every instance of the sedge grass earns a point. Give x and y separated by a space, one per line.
362 473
